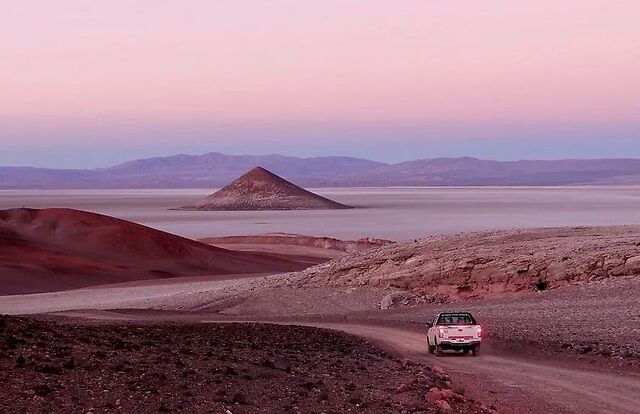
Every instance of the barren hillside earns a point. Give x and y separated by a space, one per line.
288 240
485 264
54 249
260 189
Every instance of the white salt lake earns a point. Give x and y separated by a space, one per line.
393 213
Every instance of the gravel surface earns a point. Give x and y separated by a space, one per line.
598 321
49 367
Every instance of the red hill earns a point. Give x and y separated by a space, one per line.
56 249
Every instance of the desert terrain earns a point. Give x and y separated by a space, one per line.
260 189
558 305
389 213
54 249
208 368
329 207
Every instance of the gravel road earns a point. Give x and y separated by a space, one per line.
515 385
599 341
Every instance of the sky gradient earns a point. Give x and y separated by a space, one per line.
91 83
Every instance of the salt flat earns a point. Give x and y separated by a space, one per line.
393 213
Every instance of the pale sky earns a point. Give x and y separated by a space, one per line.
91 83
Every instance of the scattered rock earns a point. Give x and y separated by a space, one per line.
444 406
279 363
239 398
20 361
70 364
434 394
42 390
252 365
394 300
48 369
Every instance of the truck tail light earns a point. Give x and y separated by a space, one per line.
479 331
440 333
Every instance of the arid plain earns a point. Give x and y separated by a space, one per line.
479 249
391 213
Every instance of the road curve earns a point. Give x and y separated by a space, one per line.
513 385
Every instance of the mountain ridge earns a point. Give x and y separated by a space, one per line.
215 169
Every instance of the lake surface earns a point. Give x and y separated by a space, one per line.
393 213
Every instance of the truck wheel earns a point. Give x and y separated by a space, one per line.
430 347
476 350
438 350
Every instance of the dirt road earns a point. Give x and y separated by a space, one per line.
512 385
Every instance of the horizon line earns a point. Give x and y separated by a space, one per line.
461 157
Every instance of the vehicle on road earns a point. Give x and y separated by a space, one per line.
456 331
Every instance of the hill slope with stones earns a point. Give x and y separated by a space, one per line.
210 368
485 264
260 189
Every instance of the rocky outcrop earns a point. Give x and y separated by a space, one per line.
486 264
288 239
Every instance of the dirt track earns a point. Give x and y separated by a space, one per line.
48 366
521 381
513 385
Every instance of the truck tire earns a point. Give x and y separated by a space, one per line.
438 350
475 350
430 347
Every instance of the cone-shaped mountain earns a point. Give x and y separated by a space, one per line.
260 189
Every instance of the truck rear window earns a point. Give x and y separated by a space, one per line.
456 319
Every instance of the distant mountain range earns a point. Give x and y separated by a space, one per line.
215 169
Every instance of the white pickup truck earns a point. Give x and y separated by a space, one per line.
456 331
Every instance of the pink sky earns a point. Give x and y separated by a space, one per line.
77 65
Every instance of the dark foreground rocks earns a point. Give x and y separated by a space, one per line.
48 366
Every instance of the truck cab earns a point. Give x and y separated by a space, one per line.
457 331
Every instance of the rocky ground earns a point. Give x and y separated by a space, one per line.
485 264
595 322
285 241
561 293
47 366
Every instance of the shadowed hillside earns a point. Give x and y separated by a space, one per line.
55 249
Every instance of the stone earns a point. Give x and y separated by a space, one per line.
434 394
444 406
